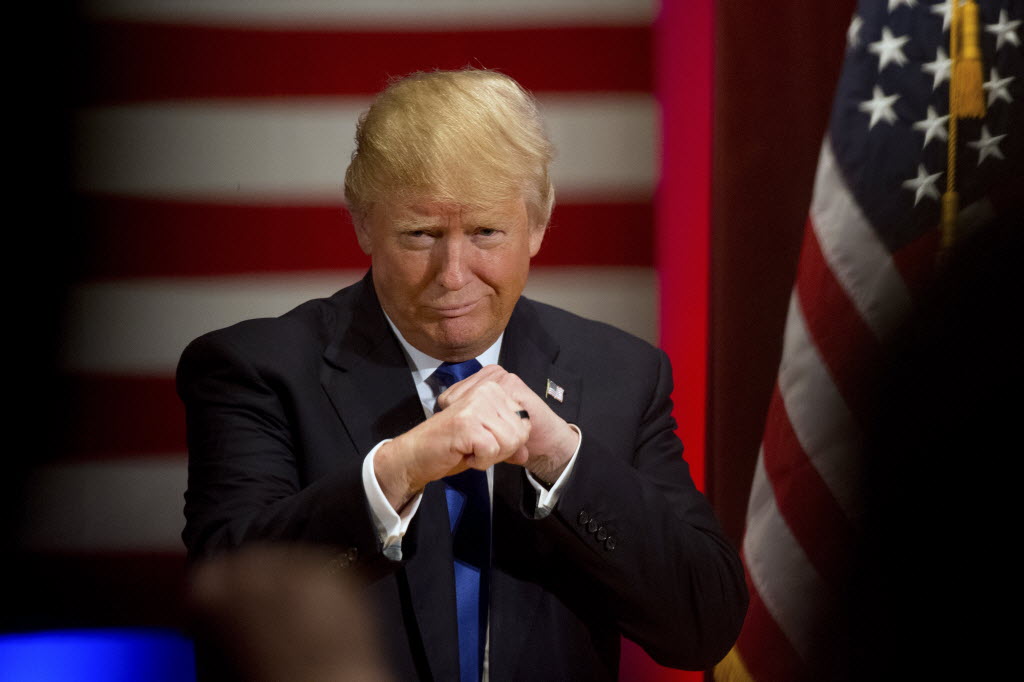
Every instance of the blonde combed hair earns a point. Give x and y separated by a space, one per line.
472 137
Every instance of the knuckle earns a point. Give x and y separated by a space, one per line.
493 389
463 419
489 449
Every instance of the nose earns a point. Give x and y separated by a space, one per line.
455 256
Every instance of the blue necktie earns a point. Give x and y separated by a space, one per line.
469 519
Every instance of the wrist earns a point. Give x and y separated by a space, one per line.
547 468
392 476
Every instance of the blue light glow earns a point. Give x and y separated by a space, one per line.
97 656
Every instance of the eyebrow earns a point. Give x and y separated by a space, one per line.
416 222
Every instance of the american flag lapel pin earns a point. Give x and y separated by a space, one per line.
555 391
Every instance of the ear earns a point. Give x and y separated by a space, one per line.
362 227
536 238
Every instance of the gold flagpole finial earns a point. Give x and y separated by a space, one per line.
966 100
966 84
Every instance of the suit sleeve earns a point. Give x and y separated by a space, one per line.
247 476
636 525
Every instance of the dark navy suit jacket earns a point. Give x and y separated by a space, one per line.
281 413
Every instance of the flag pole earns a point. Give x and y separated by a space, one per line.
966 100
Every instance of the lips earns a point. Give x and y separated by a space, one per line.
456 310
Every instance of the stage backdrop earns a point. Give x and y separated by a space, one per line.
207 144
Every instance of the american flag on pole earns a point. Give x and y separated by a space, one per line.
870 241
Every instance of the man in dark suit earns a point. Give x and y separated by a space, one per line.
503 475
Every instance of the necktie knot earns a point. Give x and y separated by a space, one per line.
450 373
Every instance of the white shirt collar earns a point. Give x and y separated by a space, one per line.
422 365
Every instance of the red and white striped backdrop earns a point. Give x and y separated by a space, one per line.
210 147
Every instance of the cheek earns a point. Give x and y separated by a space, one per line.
406 271
507 276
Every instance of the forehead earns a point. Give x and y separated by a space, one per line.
431 212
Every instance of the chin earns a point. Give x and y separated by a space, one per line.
458 336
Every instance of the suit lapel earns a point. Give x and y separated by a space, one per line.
367 380
529 352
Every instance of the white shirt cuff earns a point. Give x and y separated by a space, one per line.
548 497
391 526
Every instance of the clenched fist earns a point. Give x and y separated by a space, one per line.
478 426
551 441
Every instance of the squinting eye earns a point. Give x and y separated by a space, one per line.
486 231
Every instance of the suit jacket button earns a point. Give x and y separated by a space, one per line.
583 517
609 544
601 534
593 525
